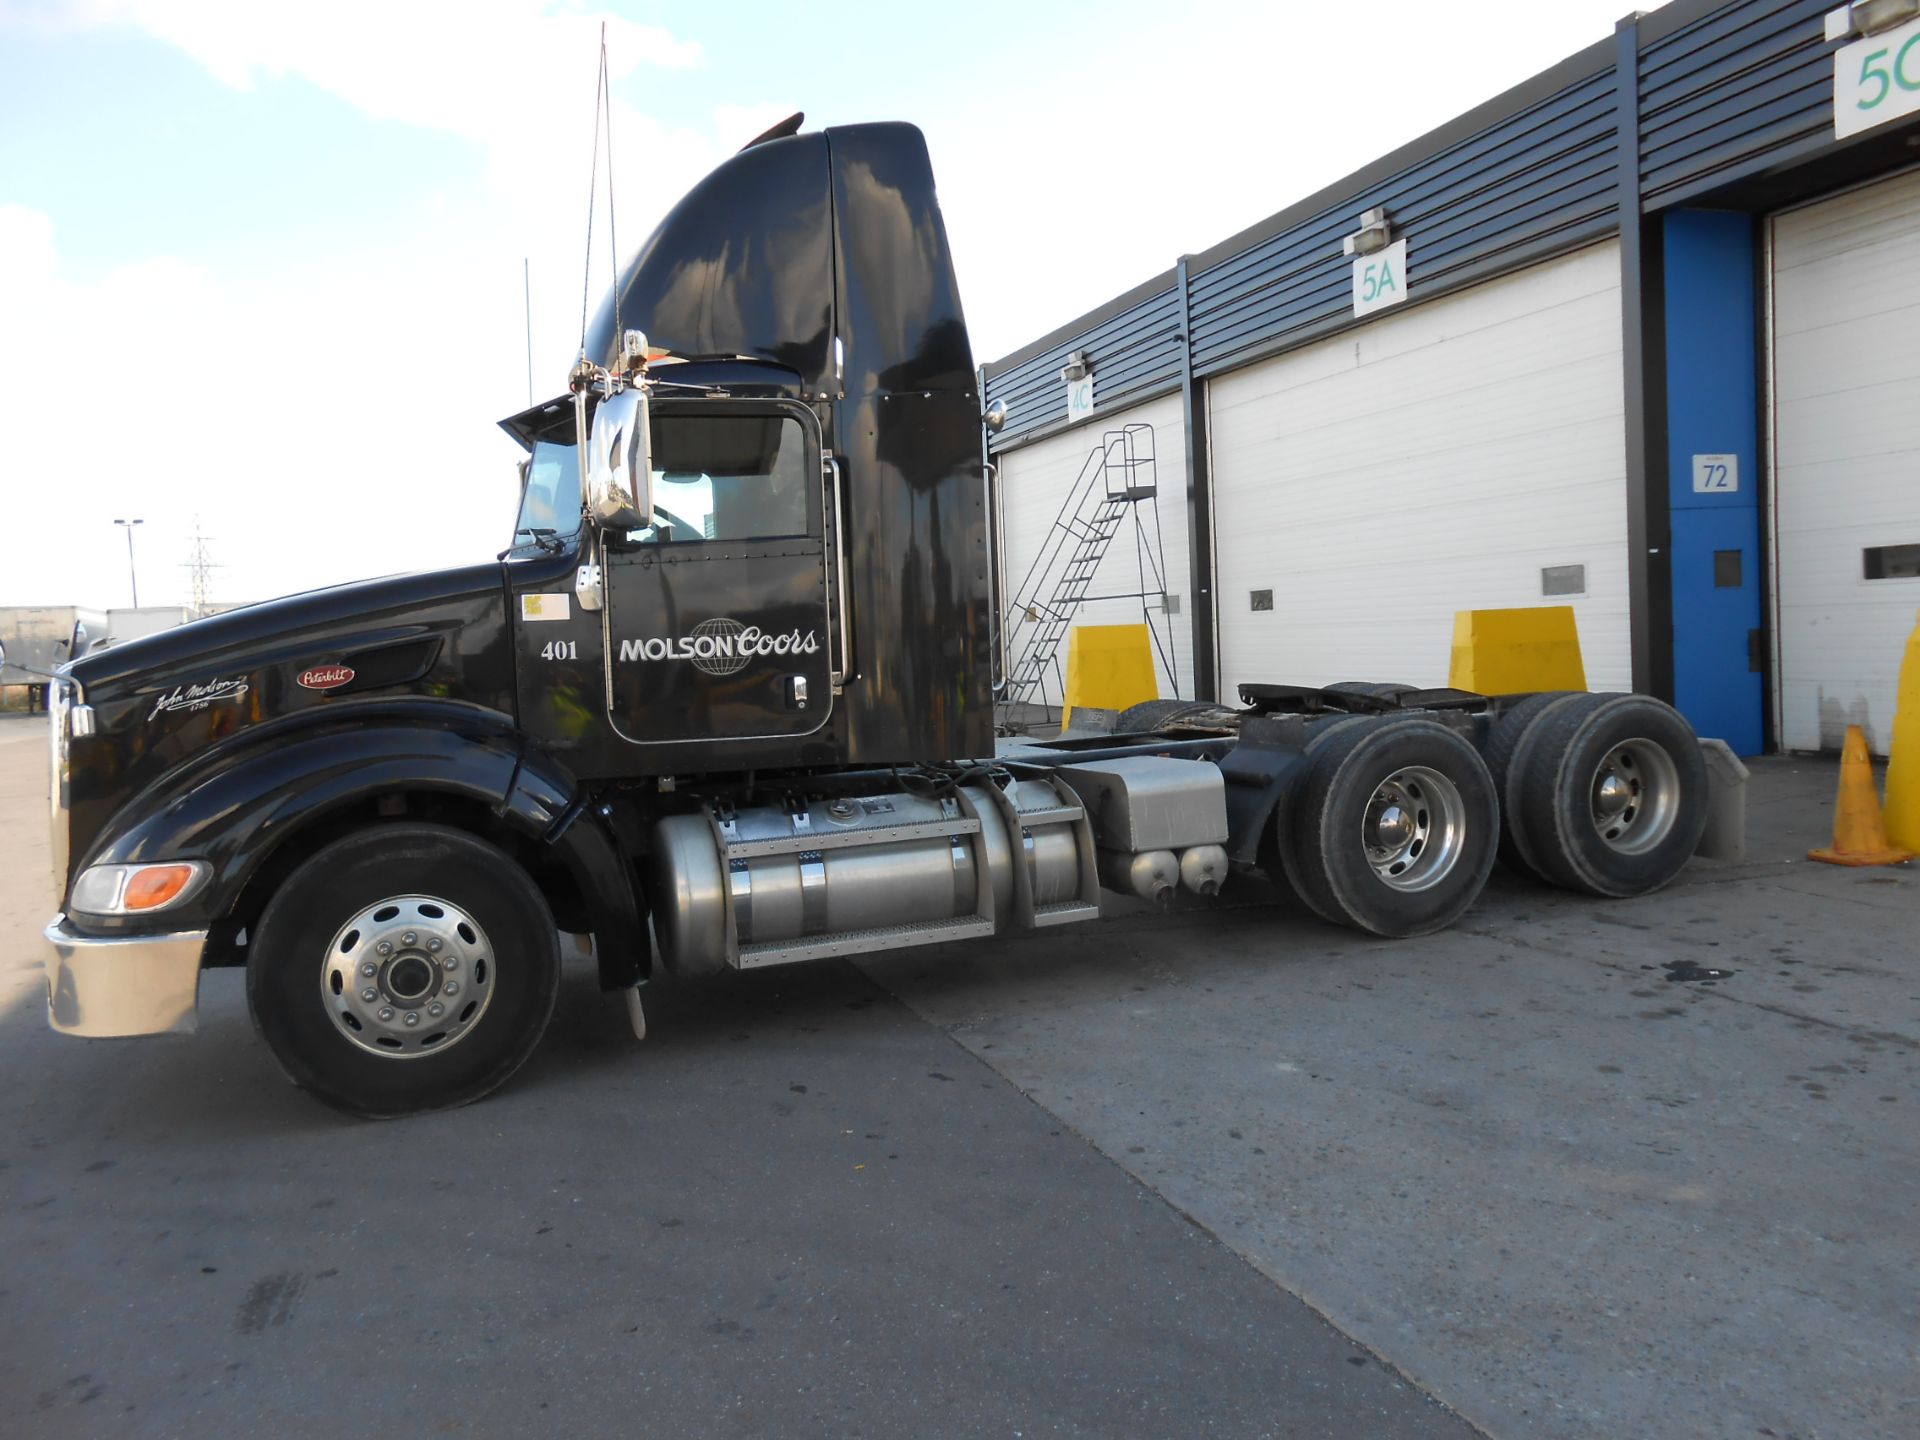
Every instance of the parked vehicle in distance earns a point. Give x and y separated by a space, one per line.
726 701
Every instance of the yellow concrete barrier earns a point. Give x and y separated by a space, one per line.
1903 752
1109 667
1500 652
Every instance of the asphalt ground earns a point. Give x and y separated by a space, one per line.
797 1210
1548 1174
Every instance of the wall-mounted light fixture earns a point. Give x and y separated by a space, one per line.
1375 232
1869 17
1077 367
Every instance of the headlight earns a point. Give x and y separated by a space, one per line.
137 889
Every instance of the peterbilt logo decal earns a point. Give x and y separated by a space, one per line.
197 697
721 646
324 677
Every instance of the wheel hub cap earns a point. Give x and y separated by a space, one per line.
408 976
1415 827
1635 796
1612 795
1393 828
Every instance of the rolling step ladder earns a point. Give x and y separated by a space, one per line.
1117 476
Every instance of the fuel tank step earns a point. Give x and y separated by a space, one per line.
861 942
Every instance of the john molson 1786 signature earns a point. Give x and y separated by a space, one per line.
197 697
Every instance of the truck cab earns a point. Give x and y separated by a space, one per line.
726 701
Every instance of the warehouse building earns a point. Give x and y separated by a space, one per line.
1637 336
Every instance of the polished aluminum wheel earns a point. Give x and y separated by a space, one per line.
1635 796
408 976
1414 828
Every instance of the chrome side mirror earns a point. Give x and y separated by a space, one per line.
995 416
619 463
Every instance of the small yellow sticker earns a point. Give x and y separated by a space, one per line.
546 607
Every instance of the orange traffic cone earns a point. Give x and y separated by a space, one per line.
1859 834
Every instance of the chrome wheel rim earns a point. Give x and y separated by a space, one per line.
1634 797
1414 828
407 977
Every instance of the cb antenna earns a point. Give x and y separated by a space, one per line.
602 124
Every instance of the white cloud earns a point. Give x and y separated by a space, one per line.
335 422
338 422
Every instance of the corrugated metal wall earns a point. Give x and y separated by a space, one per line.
1133 353
1724 92
1732 93
1544 174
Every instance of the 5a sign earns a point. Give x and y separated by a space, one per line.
1876 80
1380 279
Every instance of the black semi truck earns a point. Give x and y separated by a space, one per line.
726 701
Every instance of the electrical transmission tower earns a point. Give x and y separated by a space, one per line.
200 567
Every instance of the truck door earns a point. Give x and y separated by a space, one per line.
718 626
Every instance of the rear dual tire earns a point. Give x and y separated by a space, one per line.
1605 795
1393 827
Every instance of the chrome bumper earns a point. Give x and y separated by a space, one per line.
122 984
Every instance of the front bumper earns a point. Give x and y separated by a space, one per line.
122 984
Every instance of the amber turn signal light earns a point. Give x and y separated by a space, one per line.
155 885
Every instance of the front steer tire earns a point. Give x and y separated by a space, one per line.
471 889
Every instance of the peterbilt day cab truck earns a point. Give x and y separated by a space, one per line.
726 702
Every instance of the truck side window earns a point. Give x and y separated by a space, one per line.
551 500
729 477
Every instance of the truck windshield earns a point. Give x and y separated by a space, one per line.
552 497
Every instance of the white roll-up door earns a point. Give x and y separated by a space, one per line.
1846 459
1036 479
1442 458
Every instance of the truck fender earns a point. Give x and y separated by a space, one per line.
234 811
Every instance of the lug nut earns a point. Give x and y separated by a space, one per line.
436 1009
434 943
413 1017
386 1012
385 947
369 969
408 938
369 994
452 987
452 962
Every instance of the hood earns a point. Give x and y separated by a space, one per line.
321 657
332 615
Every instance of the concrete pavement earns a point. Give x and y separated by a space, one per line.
797 1210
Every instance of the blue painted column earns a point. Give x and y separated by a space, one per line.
1712 411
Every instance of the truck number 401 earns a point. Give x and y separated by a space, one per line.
559 650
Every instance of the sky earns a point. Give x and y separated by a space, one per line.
265 268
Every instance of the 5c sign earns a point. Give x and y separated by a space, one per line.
1876 80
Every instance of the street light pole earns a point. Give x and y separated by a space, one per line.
133 577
